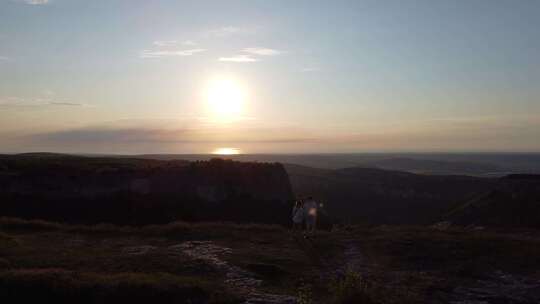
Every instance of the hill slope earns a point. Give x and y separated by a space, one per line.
440 167
514 201
384 197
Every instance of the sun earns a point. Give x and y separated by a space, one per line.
225 98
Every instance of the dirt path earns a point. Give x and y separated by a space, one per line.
354 259
330 268
238 280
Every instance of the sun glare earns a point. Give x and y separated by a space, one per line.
226 151
225 98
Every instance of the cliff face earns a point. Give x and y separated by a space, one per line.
140 191
217 180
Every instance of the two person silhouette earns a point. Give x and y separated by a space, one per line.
305 211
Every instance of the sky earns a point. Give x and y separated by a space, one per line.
164 76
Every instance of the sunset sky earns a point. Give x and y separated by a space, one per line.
164 76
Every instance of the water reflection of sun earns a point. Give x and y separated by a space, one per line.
226 151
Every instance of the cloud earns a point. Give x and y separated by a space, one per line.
169 53
34 2
4 58
262 51
238 58
251 51
169 48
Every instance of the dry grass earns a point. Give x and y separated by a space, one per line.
7 241
63 286
407 264
174 228
92 258
420 264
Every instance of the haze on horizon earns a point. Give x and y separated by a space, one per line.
269 76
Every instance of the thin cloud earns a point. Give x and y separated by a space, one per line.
262 51
48 92
4 58
34 2
258 51
71 104
167 43
169 53
310 69
137 135
238 58
20 103
162 43
227 31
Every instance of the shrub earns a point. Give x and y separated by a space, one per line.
63 286
350 289
7 241
28 225
304 293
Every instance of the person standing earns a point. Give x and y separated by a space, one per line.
298 215
310 214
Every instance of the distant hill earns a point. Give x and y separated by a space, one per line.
440 167
513 202
478 164
141 191
384 197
